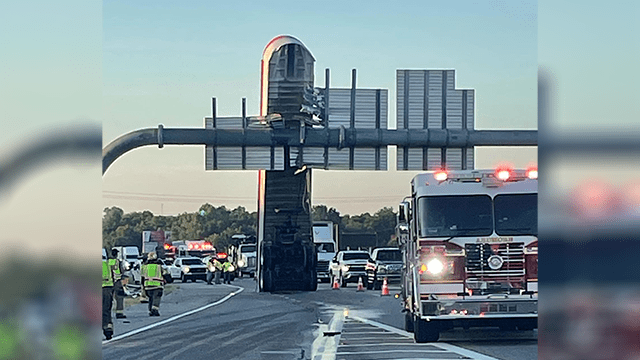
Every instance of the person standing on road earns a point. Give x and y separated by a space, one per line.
227 268
107 299
211 268
120 281
153 282
219 269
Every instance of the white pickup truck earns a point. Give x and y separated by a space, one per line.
188 268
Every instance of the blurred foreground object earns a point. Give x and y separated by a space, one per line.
77 144
589 224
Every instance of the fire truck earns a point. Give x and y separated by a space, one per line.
470 250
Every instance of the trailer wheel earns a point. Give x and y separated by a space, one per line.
408 322
426 331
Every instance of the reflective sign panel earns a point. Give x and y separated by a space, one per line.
428 99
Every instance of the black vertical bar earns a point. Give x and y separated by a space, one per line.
464 126
444 99
273 161
464 159
464 109
425 158
287 157
244 126
213 120
244 113
443 157
326 114
405 158
326 97
406 100
377 151
291 60
352 114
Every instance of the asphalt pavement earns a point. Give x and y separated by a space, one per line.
235 322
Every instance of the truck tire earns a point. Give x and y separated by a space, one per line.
425 331
313 282
408 322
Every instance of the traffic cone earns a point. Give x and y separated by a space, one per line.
335 286
385 287
360 286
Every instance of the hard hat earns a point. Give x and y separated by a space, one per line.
152 256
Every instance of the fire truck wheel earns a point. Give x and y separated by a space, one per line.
408 322
425 331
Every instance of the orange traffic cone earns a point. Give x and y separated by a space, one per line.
360 285
385 287
335 286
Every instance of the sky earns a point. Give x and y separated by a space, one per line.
163 61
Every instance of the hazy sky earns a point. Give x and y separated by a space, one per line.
163 61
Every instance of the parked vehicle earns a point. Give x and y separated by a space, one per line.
349 265
325 246
384 263
188 268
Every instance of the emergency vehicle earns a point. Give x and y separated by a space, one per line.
470 248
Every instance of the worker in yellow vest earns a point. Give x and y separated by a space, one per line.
118 286
227 267
152 275
107 299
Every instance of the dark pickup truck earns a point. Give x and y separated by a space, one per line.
383 263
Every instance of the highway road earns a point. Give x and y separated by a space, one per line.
235 322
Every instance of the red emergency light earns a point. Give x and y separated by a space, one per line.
441 175
167 246
504 172
532 173
222 255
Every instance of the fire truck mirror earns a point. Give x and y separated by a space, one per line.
403 213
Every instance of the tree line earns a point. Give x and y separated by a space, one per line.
218 224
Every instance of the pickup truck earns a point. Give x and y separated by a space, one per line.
383 263
188 268
348 266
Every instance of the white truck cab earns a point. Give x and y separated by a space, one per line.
326 248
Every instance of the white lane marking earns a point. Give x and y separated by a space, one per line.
324 347
176 317
462 351
395 351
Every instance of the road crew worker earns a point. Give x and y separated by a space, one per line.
211 268
152 276
107 299
120 281
219 269
227 267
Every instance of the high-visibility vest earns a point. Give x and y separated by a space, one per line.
217 264
107 274
115 265
152 274
226 266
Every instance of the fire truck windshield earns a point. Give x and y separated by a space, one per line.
460 215
516 214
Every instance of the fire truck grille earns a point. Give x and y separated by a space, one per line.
511 272
323 266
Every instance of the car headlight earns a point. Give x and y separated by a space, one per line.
345 268
186 269
435 266
240 263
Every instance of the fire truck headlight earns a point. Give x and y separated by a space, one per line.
435 266
240 263
186 269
